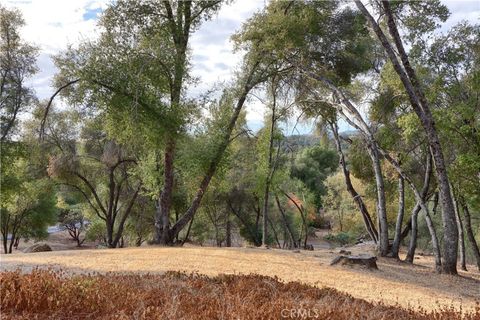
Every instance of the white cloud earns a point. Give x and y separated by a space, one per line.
53 24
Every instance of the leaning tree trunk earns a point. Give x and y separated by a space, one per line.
212 168
412 245
274 232
461 238
401 211
470 235
422 109
373 152
381 202
367 220
304 219
285 221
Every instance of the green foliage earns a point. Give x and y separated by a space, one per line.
29 206
335 41
17 64
96 231
340 208
312 166
341 238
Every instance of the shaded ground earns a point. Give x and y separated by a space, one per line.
57 241
394 282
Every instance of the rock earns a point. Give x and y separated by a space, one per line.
296 251
364 261
38 247
345 252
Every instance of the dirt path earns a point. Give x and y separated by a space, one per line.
395 282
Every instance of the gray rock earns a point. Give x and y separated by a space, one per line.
364 261
38 247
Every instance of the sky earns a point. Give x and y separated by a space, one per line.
54 24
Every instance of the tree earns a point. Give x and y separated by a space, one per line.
27 206
154 34
421 106
17 64
140 223
101 175
71 217
312 166
74 222
27 202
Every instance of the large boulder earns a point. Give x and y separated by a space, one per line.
38 247
363 261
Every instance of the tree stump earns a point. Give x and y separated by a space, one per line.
364 261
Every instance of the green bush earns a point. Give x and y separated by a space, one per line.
341 238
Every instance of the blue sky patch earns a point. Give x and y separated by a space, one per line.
92 14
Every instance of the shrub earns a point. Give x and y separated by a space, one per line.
341 238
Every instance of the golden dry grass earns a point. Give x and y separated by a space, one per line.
394 282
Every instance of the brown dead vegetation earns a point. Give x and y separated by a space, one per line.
47 294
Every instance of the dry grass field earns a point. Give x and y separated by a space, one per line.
395 283
55 295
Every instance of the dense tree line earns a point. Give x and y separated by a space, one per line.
141 160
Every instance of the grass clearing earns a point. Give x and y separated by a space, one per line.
395 283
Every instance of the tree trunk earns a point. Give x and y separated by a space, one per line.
412 246
461 238
188 232
367 220
4 226
265 216
247 86
228 231
17 242
287 225
253 233
275 236
373 152
470 235
420 106
304 219
421 202
401 211
12 241
381 202
413 239
162 224
109 225
269 166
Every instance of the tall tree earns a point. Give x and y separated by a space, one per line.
421 106
17 64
